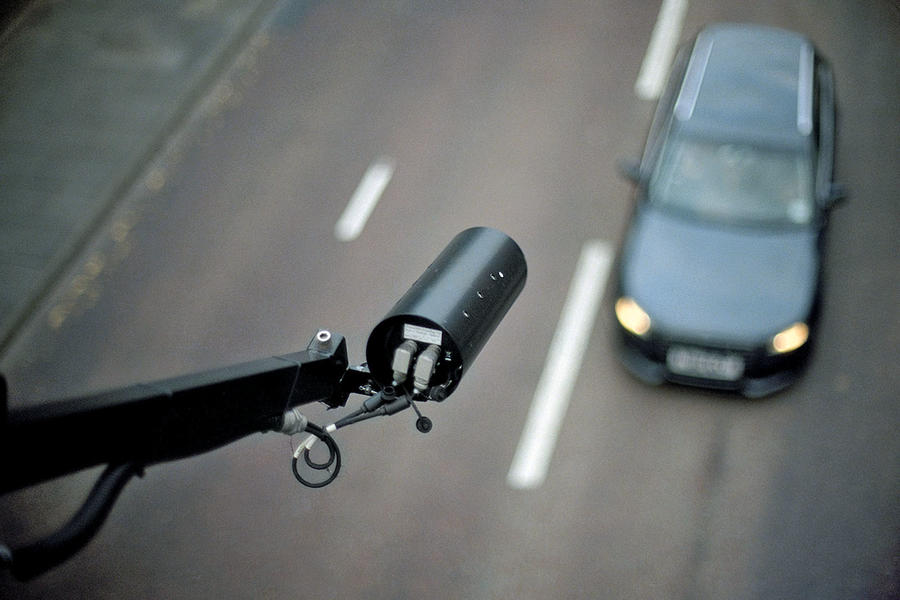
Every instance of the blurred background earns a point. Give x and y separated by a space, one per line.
170 181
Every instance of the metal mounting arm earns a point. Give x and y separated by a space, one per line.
170 419
140 425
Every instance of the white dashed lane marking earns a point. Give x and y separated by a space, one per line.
551 397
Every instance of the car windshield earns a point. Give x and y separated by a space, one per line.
733 183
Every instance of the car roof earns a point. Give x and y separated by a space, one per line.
748 82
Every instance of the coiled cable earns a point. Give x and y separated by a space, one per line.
334 458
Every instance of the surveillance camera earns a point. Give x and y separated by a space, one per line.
431 336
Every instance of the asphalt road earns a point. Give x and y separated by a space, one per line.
508 115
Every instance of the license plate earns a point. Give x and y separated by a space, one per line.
703 363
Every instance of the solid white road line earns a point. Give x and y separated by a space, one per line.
551 398
661 49
364 199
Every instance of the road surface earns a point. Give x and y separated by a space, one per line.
510 115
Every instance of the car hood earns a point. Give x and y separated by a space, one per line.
706 282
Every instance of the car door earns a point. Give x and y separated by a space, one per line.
826 192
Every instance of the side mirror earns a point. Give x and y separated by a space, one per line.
837 192
630 168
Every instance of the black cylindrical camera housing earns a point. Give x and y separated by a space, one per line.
456 304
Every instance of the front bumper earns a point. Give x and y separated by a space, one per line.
763 374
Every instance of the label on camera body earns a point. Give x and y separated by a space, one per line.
421 334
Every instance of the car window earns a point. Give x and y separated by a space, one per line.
733 183
665 106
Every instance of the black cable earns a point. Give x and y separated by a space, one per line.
322 435
334 458
30 561
381 404
394 406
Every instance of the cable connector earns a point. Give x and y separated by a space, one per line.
403 357
293 422
425 365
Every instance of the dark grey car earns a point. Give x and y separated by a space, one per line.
720 271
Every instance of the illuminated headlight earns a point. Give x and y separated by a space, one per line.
632 316
789 339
